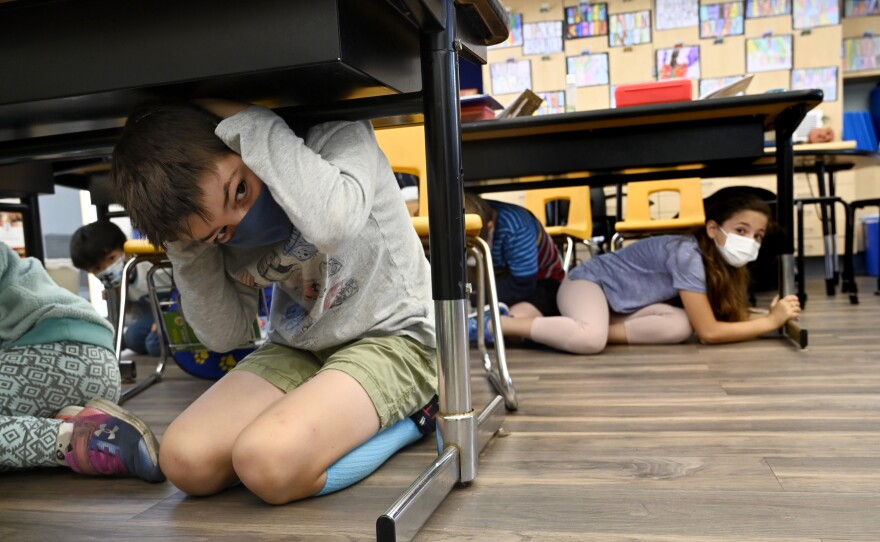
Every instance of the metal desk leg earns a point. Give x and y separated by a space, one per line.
825 217
832 220
799 261
457 427
785 125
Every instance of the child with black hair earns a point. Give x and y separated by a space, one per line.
99 248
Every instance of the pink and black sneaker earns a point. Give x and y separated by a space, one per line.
110 441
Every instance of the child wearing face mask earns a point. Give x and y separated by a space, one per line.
348 375
631 296
99 248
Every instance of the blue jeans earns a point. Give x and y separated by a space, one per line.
139 338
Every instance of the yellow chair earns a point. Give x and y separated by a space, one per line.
405 149
580 217
139 250
638 221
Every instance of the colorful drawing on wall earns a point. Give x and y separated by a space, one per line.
542 38
511 77
719 20
767 8
813 13
554 102
628 29
824 79
678 63
861 8
768 53
589 70
677 14
515 38
861 54
586 20
712 84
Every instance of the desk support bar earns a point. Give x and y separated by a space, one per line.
785 126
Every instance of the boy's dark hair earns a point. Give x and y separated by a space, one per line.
475 205
164 151
91 243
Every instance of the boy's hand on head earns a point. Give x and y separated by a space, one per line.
220 107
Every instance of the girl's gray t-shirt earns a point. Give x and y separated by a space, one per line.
649 271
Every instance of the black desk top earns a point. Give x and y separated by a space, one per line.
79 66
720 137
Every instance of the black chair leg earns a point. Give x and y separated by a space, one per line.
801 271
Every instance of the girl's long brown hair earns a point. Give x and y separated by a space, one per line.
727 287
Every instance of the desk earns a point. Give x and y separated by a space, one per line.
706 138
79 66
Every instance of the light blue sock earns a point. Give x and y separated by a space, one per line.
367 457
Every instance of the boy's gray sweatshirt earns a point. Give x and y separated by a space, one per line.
353 266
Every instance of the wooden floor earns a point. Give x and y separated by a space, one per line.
748 442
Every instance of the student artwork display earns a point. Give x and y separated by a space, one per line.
824 79
511 77
767 8
515 38
719 20
628 29
861 53
589 70
678 63
554 102
813 13
861 8
712 84
768 53
586 20
677 14
542 38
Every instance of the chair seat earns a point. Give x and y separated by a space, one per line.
656 225
141 246
472 225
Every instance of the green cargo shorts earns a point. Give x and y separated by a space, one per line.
398 373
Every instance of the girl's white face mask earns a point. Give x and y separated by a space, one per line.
738 250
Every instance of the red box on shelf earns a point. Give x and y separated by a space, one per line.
654 92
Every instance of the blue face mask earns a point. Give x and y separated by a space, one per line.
265 224
112 276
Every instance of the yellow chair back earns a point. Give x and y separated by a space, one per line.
580 216
638 211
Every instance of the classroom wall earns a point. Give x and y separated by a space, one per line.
726 57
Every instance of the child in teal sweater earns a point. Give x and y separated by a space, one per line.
56 355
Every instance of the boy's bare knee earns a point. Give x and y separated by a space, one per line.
270 473
189 468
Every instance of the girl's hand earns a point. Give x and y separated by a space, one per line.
785 309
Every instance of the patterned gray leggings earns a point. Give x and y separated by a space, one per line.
36 382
